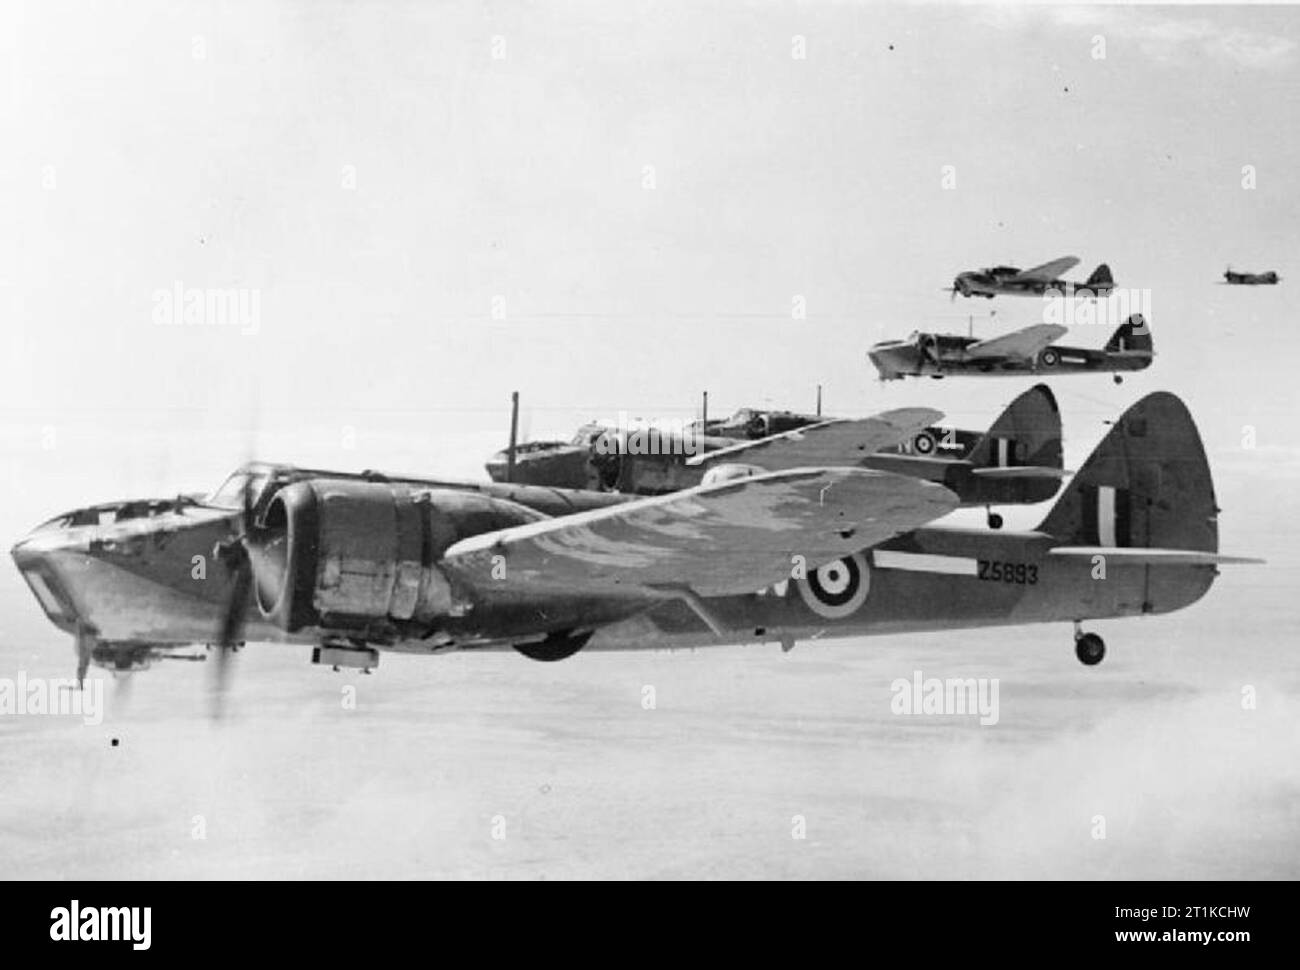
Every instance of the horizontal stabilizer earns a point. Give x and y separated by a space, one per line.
1154 557
1022 471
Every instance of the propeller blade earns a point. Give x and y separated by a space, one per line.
122 690
84 644
232 620
234 555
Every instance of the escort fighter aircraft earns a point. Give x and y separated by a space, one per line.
354 564
1250 279
1028 351
1013 281
1017 462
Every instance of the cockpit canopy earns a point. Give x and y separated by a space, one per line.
230 494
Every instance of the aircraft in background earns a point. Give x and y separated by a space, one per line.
1027 351
1249 279
1018 461
1013 281
351 565
753 423
593 457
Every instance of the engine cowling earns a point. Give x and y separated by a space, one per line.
345 553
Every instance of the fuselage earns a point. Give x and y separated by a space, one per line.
933 578
1251 279
1001 281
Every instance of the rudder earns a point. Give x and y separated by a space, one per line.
1147 485
1027 433
1133 336
1101 277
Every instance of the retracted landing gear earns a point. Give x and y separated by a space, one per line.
1088 647
556 646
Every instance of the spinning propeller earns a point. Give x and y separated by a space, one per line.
235 554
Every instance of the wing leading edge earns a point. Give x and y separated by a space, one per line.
1022 344
1049 272
713 540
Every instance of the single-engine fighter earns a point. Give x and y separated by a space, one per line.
1013 281
356 564
1017 462
1028 351
1249 279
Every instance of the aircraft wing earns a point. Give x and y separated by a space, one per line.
1022 344
826 445
727 538
1049 271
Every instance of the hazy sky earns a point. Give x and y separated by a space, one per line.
644 191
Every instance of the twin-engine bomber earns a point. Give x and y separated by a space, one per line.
1030 350
1018 461
352 564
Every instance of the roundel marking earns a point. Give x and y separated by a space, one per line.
1050 358
923 443
837 589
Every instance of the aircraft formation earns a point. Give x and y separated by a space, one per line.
766 526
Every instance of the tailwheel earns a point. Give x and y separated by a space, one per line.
995 521
556 646
1089 648
1118 379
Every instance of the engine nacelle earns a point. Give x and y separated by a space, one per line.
344 553
727 473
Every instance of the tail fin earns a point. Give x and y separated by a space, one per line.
1027 433
1146 486
1133 336
1100 277
1142 511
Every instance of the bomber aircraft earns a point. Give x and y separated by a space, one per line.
354 564
1013 281
1017 462
1249 279
595 456
1027 351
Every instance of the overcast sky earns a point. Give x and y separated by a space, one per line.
646 197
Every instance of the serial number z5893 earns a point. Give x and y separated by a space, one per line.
992 571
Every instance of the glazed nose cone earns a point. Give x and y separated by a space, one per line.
39 558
